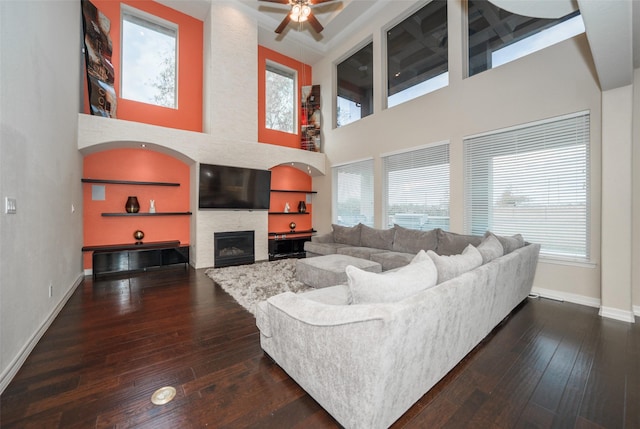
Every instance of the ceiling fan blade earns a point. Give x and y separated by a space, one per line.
315 2
283 24
279 1
315 23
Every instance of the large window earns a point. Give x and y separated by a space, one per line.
355 87
532 180
149 53
280 98
353 193
497 36
417 54
416 188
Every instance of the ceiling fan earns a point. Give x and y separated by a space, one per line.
300 12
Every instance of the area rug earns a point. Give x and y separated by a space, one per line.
250 284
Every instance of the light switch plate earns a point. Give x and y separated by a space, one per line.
10 205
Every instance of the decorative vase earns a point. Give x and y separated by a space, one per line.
286 208
138 235
292 225
302 207
132 205
152 206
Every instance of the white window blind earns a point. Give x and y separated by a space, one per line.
532 180
353 193
416 187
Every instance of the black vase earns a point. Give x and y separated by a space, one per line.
302 207
132 205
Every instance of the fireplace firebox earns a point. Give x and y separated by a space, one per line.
233 248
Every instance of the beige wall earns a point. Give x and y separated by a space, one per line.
556 81
40 166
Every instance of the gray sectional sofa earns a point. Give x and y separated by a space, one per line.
366 351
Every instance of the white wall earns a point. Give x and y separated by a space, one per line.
40 166
556 81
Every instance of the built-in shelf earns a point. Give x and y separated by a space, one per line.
131 246
302 231
294 191
149 214
129 182
288 213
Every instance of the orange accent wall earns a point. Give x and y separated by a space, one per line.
135 165
289 178
188 115
304 78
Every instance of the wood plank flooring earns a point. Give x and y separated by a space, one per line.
549 365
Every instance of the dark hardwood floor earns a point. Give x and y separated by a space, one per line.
549 365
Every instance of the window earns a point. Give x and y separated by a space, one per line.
532 180
416 187
355 87
149 52
280 98
417 54
497 37
353 193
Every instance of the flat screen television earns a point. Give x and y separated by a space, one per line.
233 188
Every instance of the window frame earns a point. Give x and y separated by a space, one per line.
429 151
385 57
159 25
278 68
531 139
466 36
356 49
358 165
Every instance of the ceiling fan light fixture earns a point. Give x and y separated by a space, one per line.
300 13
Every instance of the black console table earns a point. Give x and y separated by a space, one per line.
290 244
118 258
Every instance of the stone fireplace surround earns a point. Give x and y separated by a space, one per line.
96 134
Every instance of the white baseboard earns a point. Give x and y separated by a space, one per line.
16 364
569 297
617 314
88 272
609 312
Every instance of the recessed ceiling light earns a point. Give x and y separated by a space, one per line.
143 145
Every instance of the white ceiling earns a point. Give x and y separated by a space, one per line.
609 25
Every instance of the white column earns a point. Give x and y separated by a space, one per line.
617 126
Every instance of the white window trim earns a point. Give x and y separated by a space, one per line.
296 94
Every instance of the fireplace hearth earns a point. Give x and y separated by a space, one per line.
233 248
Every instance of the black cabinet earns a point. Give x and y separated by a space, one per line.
131 257
282 248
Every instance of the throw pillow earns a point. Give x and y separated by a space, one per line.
450 243
392 286
347 234
490 248
509 244
412 241
454 265
376 238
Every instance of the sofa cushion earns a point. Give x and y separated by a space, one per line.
366 287
509 244
347 234
490 248
450 243
323 248
452 266
376 238
359 252
392 260
412 241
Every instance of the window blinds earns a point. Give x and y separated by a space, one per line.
532 180
416 187
353 193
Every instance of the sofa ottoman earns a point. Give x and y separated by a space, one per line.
329 270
